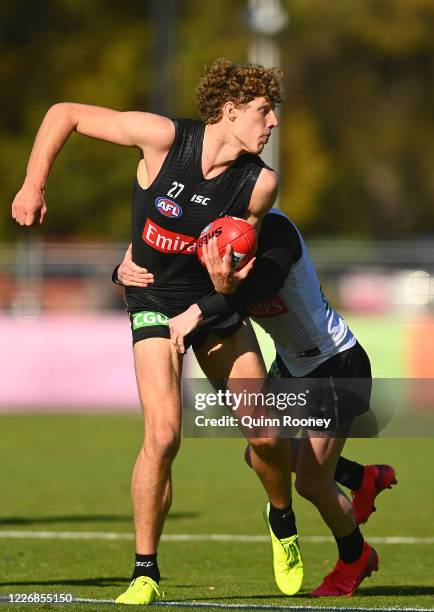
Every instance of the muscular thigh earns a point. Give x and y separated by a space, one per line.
158 370
237 356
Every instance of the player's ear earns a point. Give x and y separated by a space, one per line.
230 110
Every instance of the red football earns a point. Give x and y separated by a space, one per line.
230 230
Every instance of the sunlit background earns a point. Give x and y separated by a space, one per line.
355 152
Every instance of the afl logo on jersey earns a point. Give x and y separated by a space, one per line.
168 208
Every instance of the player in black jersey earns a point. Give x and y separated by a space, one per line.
283 295
189 173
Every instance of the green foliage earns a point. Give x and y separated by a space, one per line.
360 76
357 130
206 31
91 52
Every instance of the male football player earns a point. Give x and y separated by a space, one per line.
189 173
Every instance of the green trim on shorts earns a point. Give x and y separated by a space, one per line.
148 318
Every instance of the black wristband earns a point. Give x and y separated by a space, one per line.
115 278
215 304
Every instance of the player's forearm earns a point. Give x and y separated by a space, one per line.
266 278
57 126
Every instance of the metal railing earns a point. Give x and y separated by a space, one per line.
356 275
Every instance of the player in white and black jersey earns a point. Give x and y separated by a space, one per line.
283 295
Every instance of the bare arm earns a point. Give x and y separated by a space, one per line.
263 197
151 133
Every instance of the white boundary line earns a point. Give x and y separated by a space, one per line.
200 604
203 604
188 537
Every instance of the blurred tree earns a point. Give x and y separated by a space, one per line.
357 123
359 106
207 31
93 52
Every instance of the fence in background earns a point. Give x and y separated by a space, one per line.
359 277
65 340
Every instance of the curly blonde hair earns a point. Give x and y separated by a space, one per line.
224 81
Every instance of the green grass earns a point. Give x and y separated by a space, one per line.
374 333
71 473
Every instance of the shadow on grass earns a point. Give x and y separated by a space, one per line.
235 598
102 581
406 591
84 518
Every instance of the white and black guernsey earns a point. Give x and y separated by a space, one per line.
283 295
169 216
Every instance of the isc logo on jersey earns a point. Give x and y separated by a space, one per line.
168 208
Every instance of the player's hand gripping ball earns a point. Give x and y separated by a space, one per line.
234 231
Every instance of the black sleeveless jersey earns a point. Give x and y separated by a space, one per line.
169 216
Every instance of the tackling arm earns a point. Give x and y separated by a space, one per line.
279 248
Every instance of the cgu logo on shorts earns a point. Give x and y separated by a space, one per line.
168 208
166 241
271 307
148 319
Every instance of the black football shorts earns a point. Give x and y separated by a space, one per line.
339 388
153 324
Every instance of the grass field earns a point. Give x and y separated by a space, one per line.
70 473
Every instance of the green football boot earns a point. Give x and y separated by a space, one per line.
142 591
287 562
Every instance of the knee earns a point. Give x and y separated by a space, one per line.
264 447
162 443
308 487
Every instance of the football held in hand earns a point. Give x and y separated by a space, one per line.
234 231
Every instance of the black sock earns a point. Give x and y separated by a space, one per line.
350 547
146 565
349 473
282 521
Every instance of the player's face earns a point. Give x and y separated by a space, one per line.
254 123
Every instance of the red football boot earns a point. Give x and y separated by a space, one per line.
376 478
345 578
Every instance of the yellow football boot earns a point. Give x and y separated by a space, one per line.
142 591
287 562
